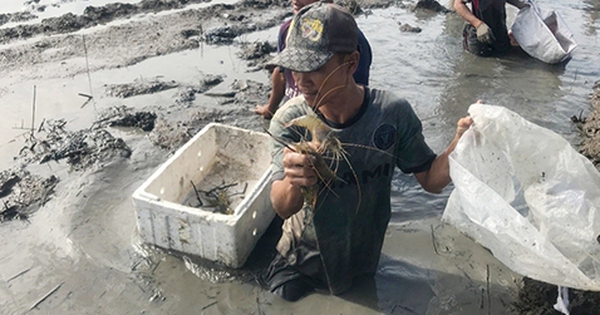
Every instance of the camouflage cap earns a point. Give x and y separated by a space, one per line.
317 32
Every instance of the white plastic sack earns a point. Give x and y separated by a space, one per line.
524 193
542 34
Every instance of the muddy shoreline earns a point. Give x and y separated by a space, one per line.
58 163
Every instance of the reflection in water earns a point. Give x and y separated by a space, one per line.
398 287
515 81
592 10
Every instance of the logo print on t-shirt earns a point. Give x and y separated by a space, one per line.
384 137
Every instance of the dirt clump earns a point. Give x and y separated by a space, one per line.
82 149
138 87
22 193
123 116
590 127
15 17
431 5
538 298
257 54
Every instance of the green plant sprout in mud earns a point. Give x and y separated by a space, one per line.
218 198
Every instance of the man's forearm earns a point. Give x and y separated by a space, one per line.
286 198
462 10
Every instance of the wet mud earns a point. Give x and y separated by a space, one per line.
22 193
590 128
166 127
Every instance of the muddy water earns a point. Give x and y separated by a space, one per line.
83 242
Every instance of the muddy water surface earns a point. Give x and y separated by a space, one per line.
79 253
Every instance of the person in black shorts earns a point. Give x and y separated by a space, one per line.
486 33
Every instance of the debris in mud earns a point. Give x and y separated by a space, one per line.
590 128
82 149
431 5
122 116
351 5
187 94
256 50
536 297
187 33
16 17
249 92
257 54
217 198
138 87
8 180
221 35
408 28
22 193
172 135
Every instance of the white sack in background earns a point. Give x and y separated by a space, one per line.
543 34
524 193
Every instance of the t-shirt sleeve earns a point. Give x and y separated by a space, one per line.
413 155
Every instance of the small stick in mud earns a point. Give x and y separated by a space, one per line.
258 309
433 240
33 112
18 275
487 279
208 305
87 64
46 296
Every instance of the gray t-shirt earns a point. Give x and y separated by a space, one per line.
346 229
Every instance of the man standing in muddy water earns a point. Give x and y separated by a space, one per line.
486 33
283 85
334 236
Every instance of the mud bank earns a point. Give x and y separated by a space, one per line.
590 128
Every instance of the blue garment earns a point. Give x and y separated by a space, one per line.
361 75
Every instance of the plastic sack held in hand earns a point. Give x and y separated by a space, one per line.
543 34
524 193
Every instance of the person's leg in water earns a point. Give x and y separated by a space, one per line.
287 282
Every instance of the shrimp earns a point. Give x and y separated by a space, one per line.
323 143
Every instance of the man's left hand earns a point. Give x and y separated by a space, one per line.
463 125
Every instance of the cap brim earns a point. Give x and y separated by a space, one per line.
300 60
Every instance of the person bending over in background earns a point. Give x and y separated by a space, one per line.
326 244
486 33
283 86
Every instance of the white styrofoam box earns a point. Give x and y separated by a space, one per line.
219 158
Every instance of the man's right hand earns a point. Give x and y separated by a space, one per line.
484 34
264 111
298 168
